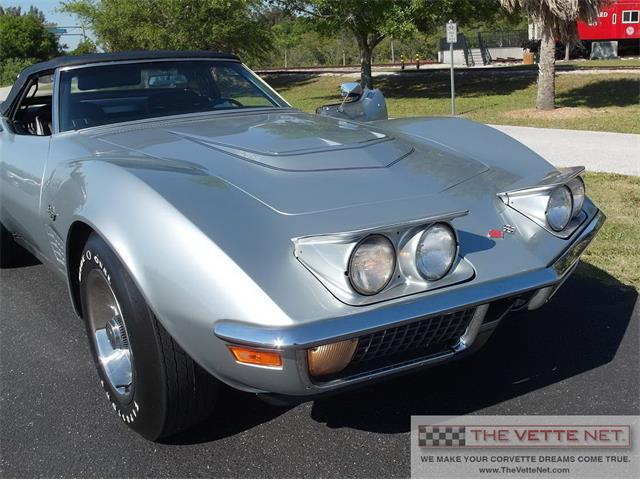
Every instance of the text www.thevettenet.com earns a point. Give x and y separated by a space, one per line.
519 470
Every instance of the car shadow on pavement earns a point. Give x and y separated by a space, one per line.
20 258
235 412
580 329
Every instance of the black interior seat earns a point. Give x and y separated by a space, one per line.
44 120
181 101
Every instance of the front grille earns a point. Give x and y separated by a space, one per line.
417 339
443 330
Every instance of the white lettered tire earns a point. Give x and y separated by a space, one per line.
151 383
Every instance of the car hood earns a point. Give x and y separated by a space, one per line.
297 163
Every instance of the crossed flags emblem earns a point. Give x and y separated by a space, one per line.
441 436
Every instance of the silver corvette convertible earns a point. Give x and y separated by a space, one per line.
209 232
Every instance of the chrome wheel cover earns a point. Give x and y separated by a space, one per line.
109 334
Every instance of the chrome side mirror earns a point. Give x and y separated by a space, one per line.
351 89
370 105
359 104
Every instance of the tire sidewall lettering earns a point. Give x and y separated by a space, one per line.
129 412
88 256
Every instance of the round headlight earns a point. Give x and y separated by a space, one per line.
576 186
559 208
372 264
436 251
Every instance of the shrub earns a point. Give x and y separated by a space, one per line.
11 67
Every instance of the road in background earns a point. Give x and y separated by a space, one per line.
4 91
597 151
576 356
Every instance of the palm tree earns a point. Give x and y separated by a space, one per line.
557 20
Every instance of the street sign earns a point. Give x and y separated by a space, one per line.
57 30
452 32
452 37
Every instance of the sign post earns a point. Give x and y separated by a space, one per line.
452 37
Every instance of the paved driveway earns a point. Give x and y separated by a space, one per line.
4 91
578 355
597 151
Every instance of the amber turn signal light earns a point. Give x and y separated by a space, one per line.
330 358
261 358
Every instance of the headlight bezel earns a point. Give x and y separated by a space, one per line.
354 251
328 256
532 202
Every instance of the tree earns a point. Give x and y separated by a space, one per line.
10 68
286 32
371 21
225 25
25 36
558 20
17 11
85 46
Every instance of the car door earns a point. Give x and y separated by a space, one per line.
23 155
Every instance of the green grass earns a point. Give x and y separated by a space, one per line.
631 62
615 250
604 102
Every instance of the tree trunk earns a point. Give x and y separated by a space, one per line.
567 52
366 79
547 72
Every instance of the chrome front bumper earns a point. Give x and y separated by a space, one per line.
292 342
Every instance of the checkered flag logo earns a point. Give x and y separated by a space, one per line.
441 436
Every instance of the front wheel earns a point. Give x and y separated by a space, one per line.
152 384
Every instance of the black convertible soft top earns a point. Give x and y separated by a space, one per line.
70 60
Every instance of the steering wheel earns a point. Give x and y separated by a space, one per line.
232 101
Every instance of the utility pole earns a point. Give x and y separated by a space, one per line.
393 55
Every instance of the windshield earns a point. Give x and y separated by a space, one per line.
114 93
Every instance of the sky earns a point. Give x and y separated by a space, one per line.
49 8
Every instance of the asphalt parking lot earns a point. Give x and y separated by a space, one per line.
577 355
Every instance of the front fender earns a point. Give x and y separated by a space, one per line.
171 261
